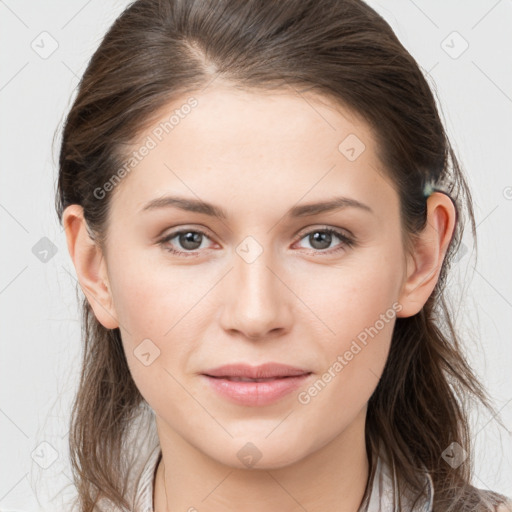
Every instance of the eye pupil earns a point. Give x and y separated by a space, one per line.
323 237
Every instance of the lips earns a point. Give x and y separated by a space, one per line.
255 385
261 373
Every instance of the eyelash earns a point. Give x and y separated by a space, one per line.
346 241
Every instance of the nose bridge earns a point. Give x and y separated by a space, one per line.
258 297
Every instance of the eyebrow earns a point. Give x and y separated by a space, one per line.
305 210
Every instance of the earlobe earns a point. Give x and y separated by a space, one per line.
90 266
425 262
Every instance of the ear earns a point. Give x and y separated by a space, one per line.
90 266
425 262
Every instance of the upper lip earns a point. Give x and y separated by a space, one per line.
263 371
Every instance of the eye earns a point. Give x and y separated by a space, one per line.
321 240
190 239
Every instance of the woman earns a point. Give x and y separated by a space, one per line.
226 364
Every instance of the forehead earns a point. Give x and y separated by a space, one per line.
224 144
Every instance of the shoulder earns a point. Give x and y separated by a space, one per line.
495 501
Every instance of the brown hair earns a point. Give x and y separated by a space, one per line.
158 50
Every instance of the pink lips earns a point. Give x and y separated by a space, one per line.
255 385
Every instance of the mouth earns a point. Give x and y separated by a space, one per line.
255 386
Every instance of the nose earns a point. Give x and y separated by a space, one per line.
258 302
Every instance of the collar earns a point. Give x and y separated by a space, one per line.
384 495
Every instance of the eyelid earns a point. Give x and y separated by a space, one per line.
180 230
320 227
300 234
180 227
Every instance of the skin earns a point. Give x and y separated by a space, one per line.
294 303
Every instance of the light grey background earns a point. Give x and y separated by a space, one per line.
40 347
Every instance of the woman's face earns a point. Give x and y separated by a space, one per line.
267 282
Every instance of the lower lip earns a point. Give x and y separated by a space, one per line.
256 393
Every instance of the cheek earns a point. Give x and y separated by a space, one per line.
151 298
160 322
359 308
356 294
354 359
144 315
155 347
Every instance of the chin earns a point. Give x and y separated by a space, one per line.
259 454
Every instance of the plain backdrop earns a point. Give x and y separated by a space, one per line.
464 49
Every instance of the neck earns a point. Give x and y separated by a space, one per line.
332 478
